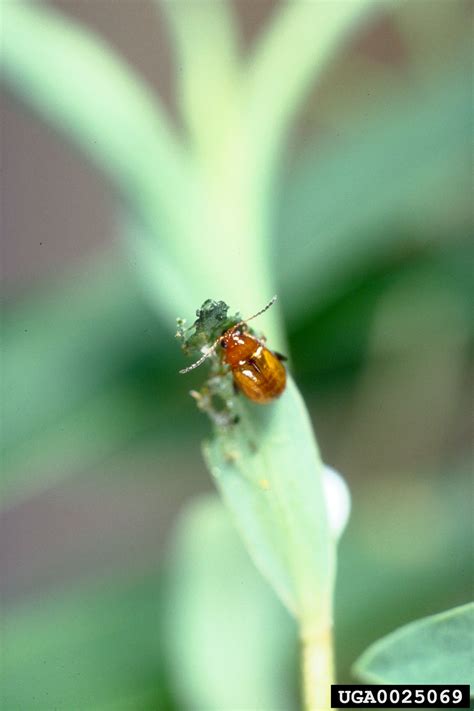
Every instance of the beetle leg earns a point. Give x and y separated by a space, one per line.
280 356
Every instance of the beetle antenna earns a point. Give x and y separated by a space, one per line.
259 313
204 357
212 348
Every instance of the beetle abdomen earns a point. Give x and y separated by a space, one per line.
261 377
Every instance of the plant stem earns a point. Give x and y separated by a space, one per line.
317 668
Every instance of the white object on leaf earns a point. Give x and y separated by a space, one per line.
338 500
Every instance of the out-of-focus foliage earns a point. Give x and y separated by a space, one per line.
424 652
218 605
341 219
94 648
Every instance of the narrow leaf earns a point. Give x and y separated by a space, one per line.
218 661
270 474
309 33
81 87
206 57
107 109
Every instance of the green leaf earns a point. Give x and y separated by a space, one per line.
75 81
81 438
309 33
69 341
114 118
71 393
94 648
207 67
88 369
270 474
230 642
82 88
434 650
340 208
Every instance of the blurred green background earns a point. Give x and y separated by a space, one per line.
117 588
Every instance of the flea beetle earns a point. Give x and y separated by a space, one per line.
257 371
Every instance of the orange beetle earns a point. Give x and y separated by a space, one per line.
257 371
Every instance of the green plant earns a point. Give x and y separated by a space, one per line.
425 651
197 213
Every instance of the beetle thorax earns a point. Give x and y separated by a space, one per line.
238 346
